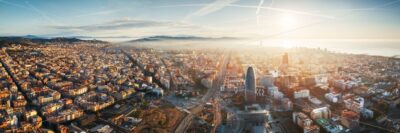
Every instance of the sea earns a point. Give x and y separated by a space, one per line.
378 47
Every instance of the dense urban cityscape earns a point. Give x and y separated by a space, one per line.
209 66
101 87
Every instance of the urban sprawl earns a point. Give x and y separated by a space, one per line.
102 87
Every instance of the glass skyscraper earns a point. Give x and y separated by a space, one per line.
250 84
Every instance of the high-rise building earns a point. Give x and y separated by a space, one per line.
285 59
285 63
250 85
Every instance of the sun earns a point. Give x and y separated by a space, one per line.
287 44
288 21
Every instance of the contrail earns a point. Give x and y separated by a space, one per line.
259 6
258 11
13 4
45 16
286 11
210 8
388 4
322 21
183 5
295 12
265 8
257 15
368 9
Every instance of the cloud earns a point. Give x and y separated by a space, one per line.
282 10
210 8
14 4
126 24
106 12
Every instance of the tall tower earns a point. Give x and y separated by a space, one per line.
250 85
285 59
285 63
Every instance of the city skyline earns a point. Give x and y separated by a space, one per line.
189 66
258 19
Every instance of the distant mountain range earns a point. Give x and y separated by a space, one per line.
178 38
32 39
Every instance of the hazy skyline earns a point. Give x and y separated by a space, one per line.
283 19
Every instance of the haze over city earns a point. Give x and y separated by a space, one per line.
286 22
191 66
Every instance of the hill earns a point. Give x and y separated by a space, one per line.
32 40
177 38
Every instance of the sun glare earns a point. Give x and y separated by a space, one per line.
287 44
288 21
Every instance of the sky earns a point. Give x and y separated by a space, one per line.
254 19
